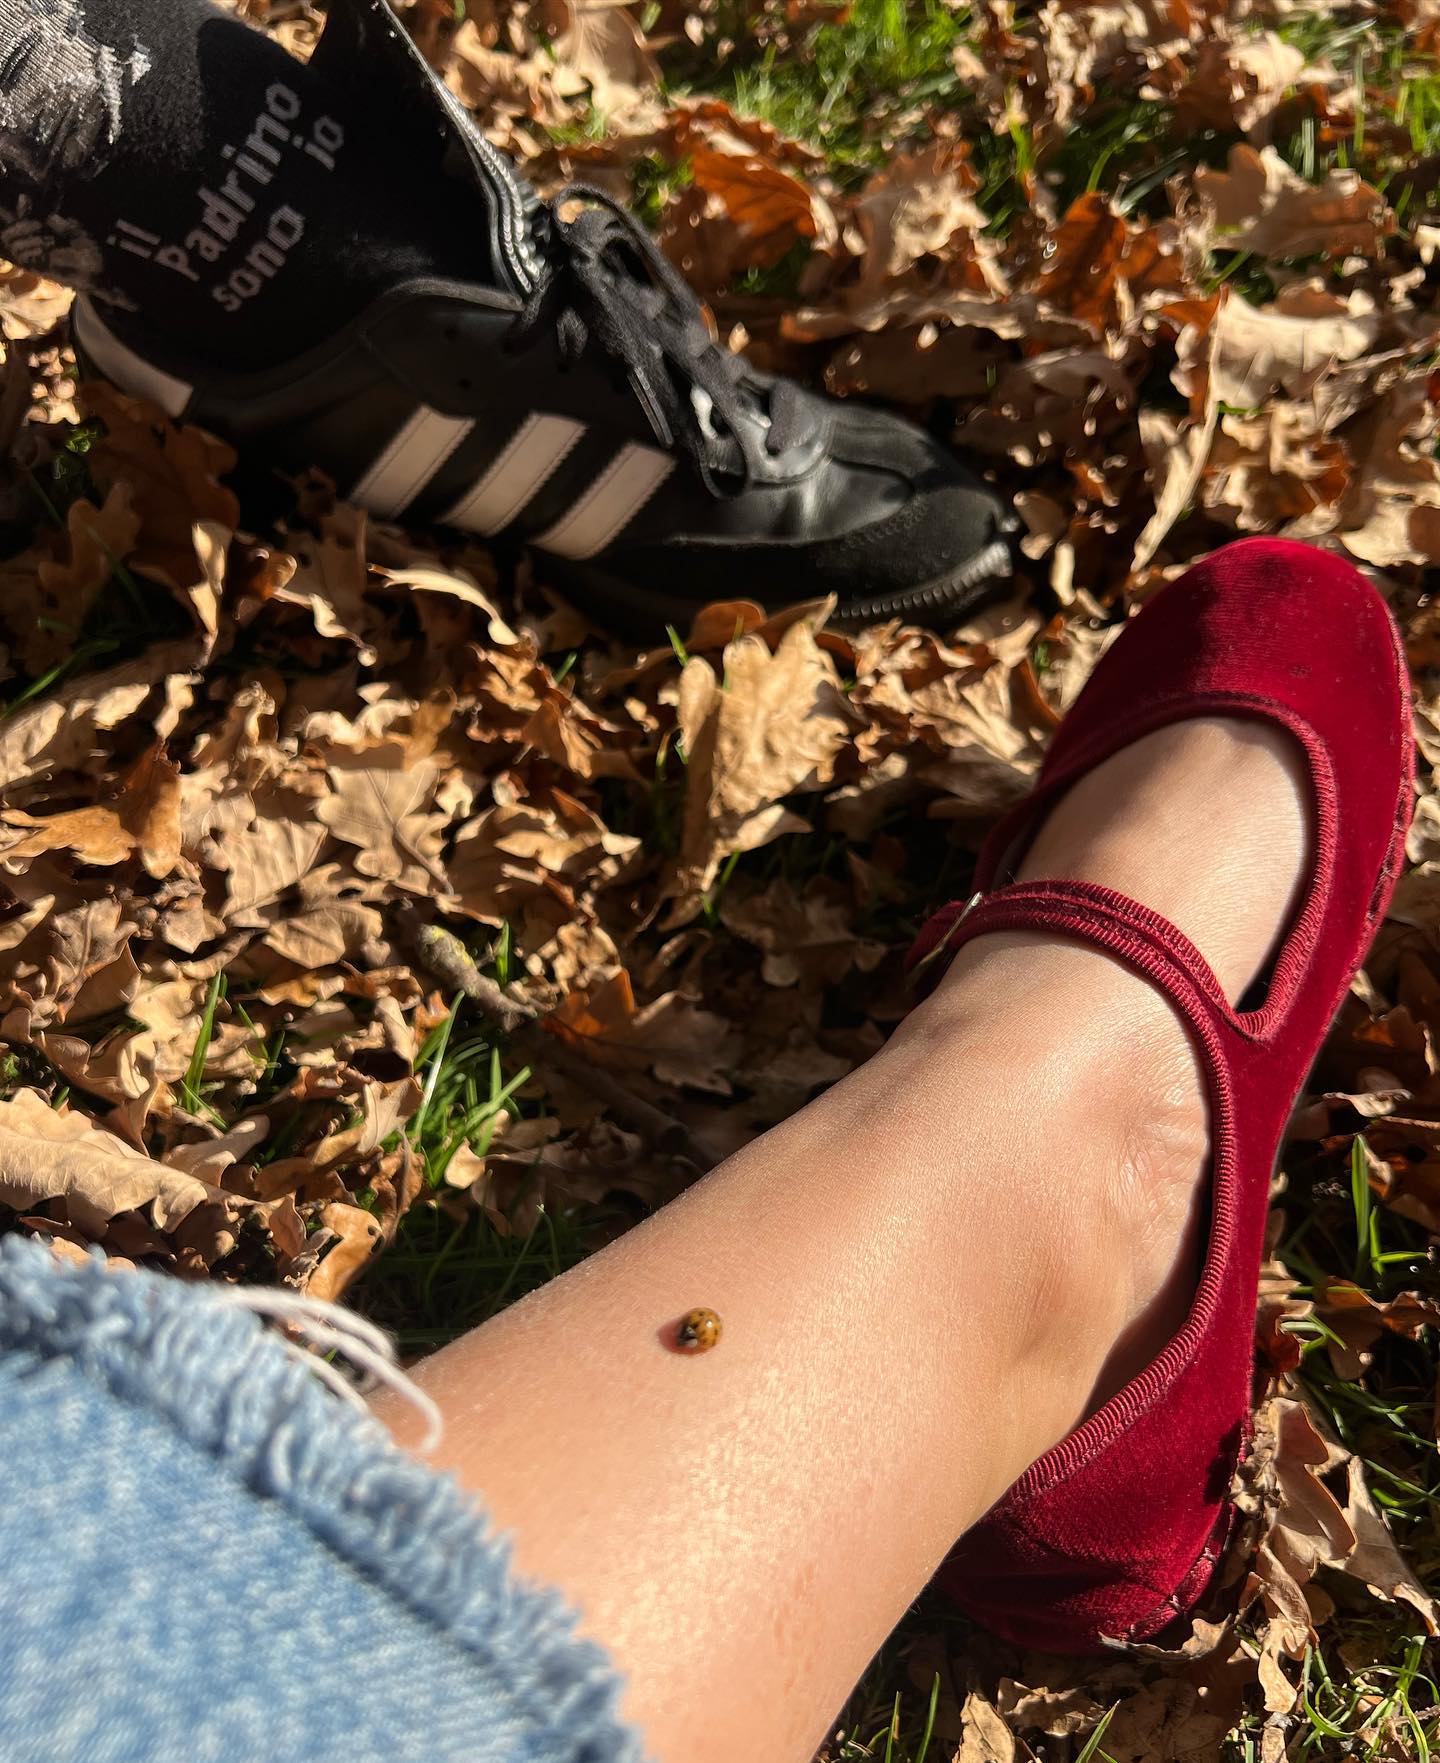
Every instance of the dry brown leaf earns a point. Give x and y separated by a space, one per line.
513 852
670 1039
1307 1529
264 858
1359 1321
597 47
1289 346
173 475
769 207
1375 1560
95 835
1275 470
330 580
334 931
774 727
47 1155
1258 204
1237 83
48 592
381 806
355 1235
987 1739
1097 268
810 938
921 206
151 811
67 729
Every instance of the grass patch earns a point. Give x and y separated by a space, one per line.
860 88
441 1277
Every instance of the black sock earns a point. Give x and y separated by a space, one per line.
185 170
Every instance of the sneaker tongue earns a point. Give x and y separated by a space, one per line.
364 44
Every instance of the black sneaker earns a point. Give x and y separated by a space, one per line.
575 400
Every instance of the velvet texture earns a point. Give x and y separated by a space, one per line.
1117 1530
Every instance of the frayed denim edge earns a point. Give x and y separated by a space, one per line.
228 1386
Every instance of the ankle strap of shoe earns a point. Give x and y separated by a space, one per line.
1084 912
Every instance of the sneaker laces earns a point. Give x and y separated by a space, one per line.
606 279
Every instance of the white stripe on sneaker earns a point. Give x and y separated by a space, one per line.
530 457
119 362
410 460
615 498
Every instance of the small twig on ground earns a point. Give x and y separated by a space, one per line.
442 954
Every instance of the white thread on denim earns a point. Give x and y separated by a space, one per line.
328 1327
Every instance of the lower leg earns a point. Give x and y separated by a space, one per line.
743 1528
926 1279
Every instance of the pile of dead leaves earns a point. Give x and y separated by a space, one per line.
285 832
280 804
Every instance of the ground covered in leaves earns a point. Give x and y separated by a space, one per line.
372 926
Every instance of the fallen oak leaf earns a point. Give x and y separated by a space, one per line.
1236 84
151 811
262 860
63 1249
774 727
1359 1321
96 835
744 206
1279 1346
325 935
809 937
48 592
209 1159
720 622
1374 1559
354 1236
48 1155
383 1108
661 1131
670 1038
1096 266
712 119
986 1738
771 208
918 207
458 586
286 1227
1304 1528
380 808
330 578
1259 204
601 1158
1166 1718
60 732
514 851
572 735
173 473
144 817
1291 344
598 48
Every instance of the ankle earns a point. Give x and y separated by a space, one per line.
1104 1153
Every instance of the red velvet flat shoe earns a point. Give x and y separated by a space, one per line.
1117 1530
